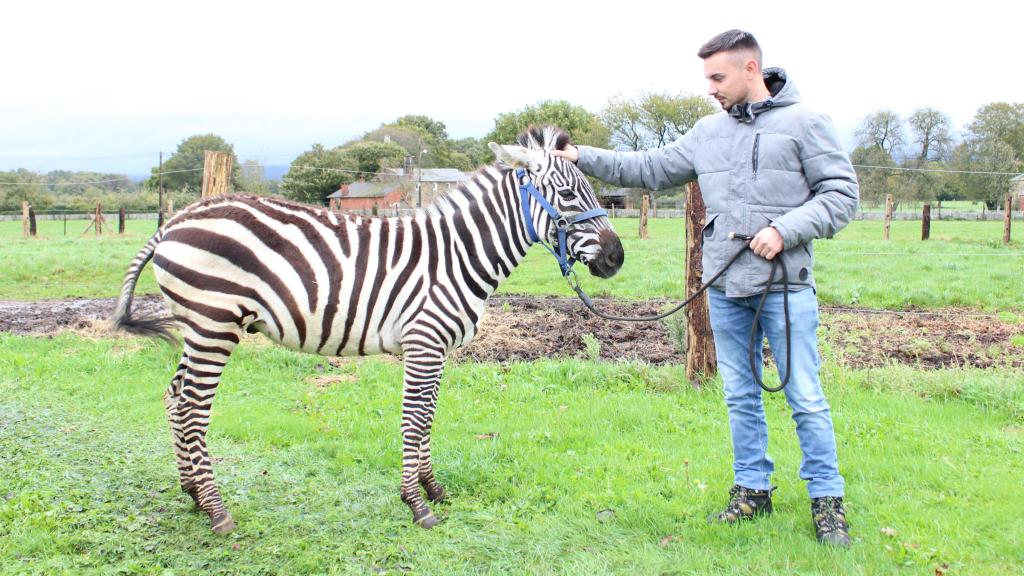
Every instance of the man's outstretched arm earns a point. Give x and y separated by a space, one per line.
655 169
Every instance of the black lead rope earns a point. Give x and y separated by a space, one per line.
575 285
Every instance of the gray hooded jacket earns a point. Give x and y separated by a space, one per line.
774 162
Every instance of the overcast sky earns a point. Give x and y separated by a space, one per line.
106 85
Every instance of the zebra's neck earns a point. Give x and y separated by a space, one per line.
484 217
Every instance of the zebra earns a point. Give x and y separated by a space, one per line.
342 285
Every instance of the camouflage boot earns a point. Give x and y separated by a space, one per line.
830 521
744 504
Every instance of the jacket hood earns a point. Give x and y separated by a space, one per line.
782 90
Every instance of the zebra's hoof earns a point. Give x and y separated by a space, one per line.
428 521
223 524
437 495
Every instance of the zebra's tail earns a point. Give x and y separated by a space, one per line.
122 318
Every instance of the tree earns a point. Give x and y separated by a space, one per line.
184 168
930 130
250 178
374 157
317 173
876 180
654 120
980 160
435 128
582 126
882 129
21 185
474 150
624 120
1002 122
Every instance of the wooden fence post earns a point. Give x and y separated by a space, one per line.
97 221
24 218
888 214
644 205
120 220
926 221
1006 218
216 173
31 221
160 199
701 361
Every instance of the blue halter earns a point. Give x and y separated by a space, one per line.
562 223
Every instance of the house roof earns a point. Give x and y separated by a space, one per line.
613 192
365 190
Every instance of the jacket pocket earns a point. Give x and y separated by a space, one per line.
709 229
797 261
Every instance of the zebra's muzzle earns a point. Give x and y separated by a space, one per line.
610 258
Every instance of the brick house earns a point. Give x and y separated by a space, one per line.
367 196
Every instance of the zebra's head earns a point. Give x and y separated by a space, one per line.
592 241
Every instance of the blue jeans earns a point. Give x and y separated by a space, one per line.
731 322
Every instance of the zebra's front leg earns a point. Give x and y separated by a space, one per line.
422 371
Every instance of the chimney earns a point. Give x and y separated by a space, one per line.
407 167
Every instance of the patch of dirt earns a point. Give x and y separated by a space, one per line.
325 381
83 316
951 338
530 328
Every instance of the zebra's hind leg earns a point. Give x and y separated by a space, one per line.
172 397
423 367
435 491
207 353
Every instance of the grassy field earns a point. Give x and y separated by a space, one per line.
554 467
965 264
593 468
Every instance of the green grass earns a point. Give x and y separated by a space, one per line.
88 483
964 264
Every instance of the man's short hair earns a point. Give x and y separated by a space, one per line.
728 41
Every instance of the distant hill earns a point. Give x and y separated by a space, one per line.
274 172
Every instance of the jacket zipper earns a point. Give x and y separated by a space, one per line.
753 158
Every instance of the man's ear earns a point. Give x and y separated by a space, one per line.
517 156
752 68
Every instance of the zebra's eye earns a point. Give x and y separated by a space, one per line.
565 191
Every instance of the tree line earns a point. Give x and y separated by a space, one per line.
923 157
919 158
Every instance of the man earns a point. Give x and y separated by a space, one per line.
770 168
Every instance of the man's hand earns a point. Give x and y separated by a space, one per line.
571 153
767 243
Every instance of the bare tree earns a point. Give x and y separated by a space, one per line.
931 132
653 120
624 120
882 129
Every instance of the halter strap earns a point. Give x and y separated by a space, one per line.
562 223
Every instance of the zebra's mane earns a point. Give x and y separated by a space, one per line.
534 137
544 138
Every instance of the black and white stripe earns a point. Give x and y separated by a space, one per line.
333 284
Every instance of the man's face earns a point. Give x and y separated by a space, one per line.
727 78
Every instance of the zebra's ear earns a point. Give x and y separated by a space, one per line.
518 156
